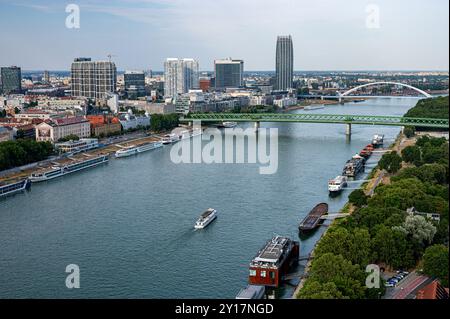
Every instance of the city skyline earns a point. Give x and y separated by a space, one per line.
330 35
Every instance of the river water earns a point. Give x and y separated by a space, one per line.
128 225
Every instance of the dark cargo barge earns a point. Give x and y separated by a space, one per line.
313 219
273 262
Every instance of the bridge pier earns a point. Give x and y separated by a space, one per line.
257 126
348 129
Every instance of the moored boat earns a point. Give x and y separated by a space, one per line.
170 138
378 140
149 146
206 218
127 151
337 184
314 218
314 107
354 166
15 187
273 262
61 170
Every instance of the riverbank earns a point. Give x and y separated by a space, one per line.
109 149
376 176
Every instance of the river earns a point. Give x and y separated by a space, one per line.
128 225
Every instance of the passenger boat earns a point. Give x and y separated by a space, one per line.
378 140
273 262
196 132
184 135
314 218
58 171
354 166
13 188
314 107
229 124
170 138
149 146
251 292
127 151
206 218
337 184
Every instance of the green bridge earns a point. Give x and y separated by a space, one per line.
318 118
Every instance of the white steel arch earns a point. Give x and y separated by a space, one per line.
392 83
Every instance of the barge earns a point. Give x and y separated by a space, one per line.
367 151
313 219
13 188
273 262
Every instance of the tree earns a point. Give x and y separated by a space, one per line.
349 279
409 131
435 263
316 290
412 154
419 229
391 162
358 197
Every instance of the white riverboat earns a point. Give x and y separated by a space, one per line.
61 170
314 107
229 124
378 140
149 147
127 151
170 138
196 132
337 184
16 187
206 218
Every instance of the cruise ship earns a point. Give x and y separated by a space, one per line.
58 171
314 107
127 151
206 218
149 147
196 132
10 189
184 135
170 138
133 149
337 184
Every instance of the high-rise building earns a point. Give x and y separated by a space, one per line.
228 73
284 63
93 79
46 77
134 82
11 79
180 76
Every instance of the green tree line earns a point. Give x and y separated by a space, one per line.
22 152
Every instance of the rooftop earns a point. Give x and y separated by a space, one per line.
273 250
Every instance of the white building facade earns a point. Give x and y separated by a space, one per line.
180 76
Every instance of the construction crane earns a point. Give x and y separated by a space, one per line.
110 56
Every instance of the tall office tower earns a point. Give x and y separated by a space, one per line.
46 77
284 63
180 75
93 79
134 82
11 80
229 73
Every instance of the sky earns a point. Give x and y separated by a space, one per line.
141 34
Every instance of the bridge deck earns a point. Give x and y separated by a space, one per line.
318 118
